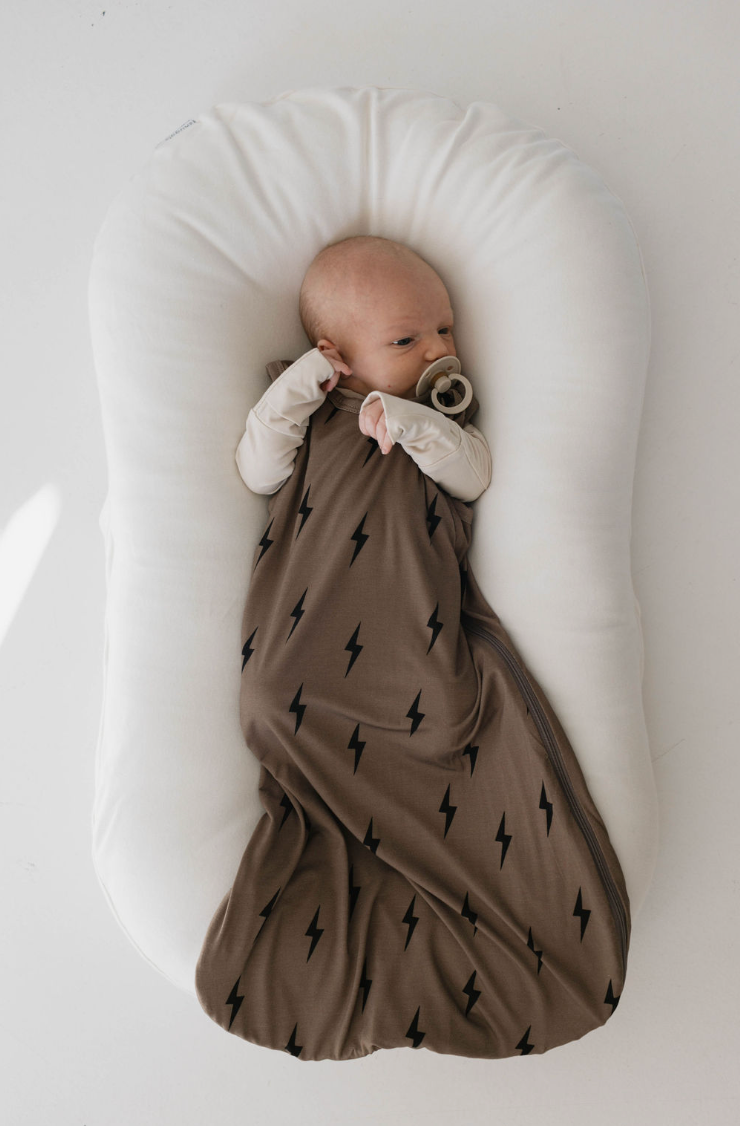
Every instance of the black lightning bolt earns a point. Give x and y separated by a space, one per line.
537 953
359 537
472 992
267 909
473 753
546 805
610 998
314 932
432 518
468 913
371 841
463 581
411 920
304 511
413 1030
357 745
298 708
247 651
235 1000
503 838
354 890
297 612
448 810
373 448
414 714
288 805
365 984
353 648
291 1046
435 625
584 912
265 542
524 1046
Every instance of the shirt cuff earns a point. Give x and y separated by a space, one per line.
295 394
421 430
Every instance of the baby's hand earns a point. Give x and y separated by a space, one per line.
372 423
336 361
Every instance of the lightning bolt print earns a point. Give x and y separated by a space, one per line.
547 806
413 1031
374 447
537 953
610 998
267 909
357 745
410 919
298 709
371 841
265 542
354 890
359 537
304 511
472 752
473 994
432 518
353 648
468 913
365 984
287 805
314 932
584 913
435 625
247 651
463 571
414 714
297 612
503 838
466 694
291 1046
448 810
235 1000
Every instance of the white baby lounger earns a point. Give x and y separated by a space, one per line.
193 289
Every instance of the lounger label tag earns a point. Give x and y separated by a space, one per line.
184 126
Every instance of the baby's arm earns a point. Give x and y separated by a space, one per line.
277 423
455 457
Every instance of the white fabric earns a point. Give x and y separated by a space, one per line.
193 289
457 458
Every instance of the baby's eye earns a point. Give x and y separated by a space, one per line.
405 339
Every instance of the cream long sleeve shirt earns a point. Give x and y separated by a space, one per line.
457 458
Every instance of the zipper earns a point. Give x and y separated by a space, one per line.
556 759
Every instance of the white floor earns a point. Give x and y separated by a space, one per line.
647 92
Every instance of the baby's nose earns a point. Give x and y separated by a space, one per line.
435 350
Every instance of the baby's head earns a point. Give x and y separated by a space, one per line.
383 308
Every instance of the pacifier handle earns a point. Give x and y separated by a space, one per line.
440 376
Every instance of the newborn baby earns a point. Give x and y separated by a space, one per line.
377 316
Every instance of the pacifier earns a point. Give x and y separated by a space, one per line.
440 376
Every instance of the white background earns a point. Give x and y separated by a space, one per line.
646 91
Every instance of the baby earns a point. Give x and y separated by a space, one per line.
377 315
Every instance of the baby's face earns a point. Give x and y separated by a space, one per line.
401 323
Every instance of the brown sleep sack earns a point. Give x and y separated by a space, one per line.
430 870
